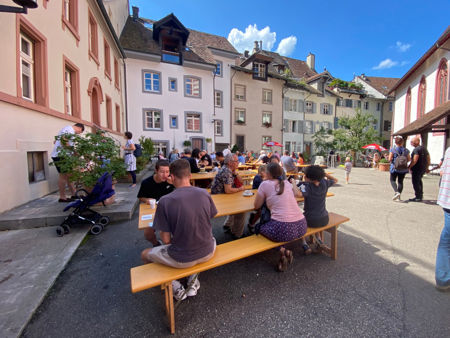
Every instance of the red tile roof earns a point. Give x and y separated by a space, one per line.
299 68
382 84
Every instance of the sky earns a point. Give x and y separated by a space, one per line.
377 38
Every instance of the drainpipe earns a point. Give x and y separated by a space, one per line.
214 112
231 107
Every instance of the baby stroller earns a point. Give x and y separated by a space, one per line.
82 213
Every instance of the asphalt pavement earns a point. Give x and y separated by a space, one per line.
381 285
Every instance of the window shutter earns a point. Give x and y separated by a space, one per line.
299 126
321 108
330 106
314 107
286 104
285 125
301 106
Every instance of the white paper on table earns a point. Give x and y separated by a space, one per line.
146 217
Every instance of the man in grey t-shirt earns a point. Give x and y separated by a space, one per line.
288 163
183 218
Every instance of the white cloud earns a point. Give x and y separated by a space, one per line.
386 64
404 63
245 40
287 46
402 47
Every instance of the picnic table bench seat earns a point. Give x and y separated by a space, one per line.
153 274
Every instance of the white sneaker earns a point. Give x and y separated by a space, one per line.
192 291
179 293
396 197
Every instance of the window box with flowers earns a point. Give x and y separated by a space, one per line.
267 124
240 122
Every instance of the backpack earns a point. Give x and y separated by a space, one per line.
401 161
138 151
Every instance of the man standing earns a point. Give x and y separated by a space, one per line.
288 163
227 182
155 187
184 221
443 252
420 161
64 142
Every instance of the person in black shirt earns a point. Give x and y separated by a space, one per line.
420 162
192 158
155 187
219 158
205 158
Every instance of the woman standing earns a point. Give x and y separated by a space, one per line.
398 174
130 160
301 159
287 221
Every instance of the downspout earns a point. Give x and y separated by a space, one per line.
214 113
231 106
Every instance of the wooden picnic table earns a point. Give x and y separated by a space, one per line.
308 165
226 204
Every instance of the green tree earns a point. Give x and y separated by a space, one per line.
355 132
323 141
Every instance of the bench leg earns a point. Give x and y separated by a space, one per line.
333 250
170 310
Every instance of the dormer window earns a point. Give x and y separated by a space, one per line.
259 70
170 51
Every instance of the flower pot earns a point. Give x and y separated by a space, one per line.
383 166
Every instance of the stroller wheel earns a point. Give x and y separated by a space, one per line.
96 229
66 228
104 221
60 231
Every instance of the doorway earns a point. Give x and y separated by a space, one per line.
240 142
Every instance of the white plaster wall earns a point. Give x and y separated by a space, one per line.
171 103
291 115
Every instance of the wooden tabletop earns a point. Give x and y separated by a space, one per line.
226 204
202 176
308 165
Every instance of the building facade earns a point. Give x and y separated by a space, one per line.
54 73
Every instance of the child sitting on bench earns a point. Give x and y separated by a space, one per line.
314 190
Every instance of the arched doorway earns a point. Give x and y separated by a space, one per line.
96 94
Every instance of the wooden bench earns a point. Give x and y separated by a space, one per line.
154 274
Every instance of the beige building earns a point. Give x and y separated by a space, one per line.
61 64
256 103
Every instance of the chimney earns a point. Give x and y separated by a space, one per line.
135 12
311 61
246 52
256 48
260 45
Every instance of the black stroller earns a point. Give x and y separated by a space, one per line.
82 213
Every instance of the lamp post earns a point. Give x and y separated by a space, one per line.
25 4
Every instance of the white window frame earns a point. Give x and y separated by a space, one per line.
309 106
153 117
218 98
152 81
190 81
259 70
326 109
267 96
238 112
266 117
218 127
239 97
193 117
264 140
68 90
28 59
307 130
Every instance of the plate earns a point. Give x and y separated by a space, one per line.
247 195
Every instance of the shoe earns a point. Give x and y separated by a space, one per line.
192 290
396 197
282 263
179 293
442 288
415 199
306 249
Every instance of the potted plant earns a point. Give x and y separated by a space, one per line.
88 158
383 165
187 143
240 122
208 140
267 124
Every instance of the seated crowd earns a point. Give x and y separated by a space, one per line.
184 213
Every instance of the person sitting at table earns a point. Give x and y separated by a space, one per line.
262 154
249 157
219 158
257 180
155 187
314 190
228 182
183 219
205 159
287 221
192 158
241 157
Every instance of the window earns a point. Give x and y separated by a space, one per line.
325 125
267 96
173 121
36 168
160 147
309 107
107 53
70 16
152 119
218 127
259 70
366 105
193 122
348 103
408 106
71 89
192 86
152 81
441 83
116 74
378 106
264 140
359 104
240 115
421 98
239 92
326 109
109 122
340 102
391 106
27 67
218 95
219 66
170 51
93 38
118 118
172 84
387 125
308 127
292 126
267 118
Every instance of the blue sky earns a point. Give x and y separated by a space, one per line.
378 38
